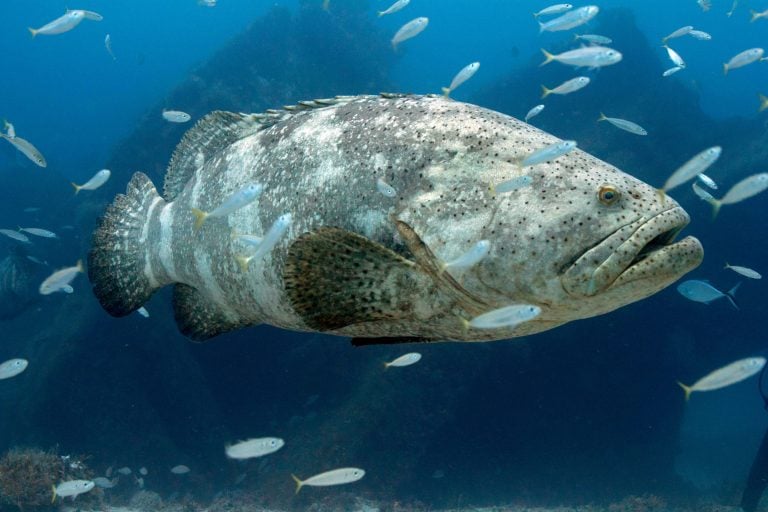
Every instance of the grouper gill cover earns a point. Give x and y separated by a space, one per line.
582 240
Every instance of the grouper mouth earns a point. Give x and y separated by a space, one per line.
642 252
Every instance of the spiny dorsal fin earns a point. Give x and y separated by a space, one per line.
210 135
430 264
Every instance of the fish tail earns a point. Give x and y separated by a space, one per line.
545 92
117 260
688 390
446 91
602 117
763 102
731 295
725 68
380 13
80 267
32 31
53 488
548 57
754 14
76 187
299 483
715 207
662 195
200 217
243 262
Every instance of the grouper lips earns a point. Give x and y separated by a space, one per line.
641 250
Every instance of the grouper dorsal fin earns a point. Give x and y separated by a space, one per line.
427 260
210 135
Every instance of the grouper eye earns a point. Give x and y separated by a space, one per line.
608 195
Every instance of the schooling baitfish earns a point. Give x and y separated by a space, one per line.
329 252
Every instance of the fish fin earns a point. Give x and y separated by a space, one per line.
754 14
545 92
602 117
725 68
446 91
363 342
335 278
53 493
200 217
541 26
731 295
32 31
117 257
548 57
76 187
379 13
763 102
688 390
210 135
299 483
198 317
715 207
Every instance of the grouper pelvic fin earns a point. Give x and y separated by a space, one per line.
335 278
116 261
198 317
432 265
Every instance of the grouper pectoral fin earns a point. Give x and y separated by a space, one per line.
198 317
335 278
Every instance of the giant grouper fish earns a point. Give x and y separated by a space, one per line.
381 191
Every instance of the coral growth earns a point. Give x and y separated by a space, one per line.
27 476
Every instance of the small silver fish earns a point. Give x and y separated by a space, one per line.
104 482
181 469
251 448
733 8
409 30
72 488
176 116
700 35
125 470
627 126
10 130
334 477
15 235
385 188
108 46
143 471
63 23
553 9
706 180
696 165
404 360
534 112
60 279
571 19
43 233
505 317
95 182
462 76
678 33
241 198
746 188
472 257
730 374
744 271
593 38
12 368
400 4
742 59
550 152
671 71
701 291
143 312
512 184
567 87
757 15
703 194
587 56
675 57
27 149
275 233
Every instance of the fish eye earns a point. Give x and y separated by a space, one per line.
608 195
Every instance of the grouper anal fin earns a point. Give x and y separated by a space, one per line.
198 317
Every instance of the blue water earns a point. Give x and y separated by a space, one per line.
586 413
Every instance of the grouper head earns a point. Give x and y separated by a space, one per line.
583 239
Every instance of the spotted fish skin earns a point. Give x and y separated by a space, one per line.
355 262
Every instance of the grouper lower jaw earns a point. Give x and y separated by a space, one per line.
635 261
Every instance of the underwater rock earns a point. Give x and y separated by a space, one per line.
19 279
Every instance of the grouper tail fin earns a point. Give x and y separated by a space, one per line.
117 260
